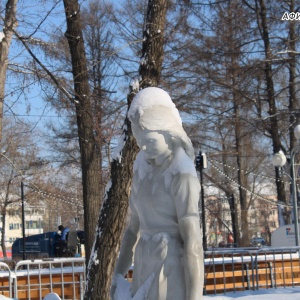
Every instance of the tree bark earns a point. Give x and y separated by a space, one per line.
91 179
112 217
293 102
10 23
273 126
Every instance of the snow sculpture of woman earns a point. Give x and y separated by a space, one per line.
168 257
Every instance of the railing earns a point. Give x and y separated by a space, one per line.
6 280
281 267
251 269
34 279
64 276
226 270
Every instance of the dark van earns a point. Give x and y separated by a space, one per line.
46 244
36 246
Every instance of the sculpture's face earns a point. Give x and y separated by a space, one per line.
153 144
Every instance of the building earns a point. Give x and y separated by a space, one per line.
262 219
33 216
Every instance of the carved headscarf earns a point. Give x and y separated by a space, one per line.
152 108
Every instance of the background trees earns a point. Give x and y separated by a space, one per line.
19 160
241 92
230 66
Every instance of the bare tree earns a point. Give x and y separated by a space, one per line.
273 126
89 151
19 160
227 132
9 24
294 104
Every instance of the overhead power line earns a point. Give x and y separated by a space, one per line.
63 198
245 189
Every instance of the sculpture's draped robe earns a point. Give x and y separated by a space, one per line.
161 197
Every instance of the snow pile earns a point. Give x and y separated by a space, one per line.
5 298
263 294
124 293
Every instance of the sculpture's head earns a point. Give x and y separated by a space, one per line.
152 110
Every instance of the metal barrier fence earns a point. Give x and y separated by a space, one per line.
34 279
233 269
251 269
6 280
281 266
228 270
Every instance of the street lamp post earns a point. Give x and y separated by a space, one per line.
201 163
279 160
23 219
294 193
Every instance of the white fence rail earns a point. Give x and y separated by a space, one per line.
34 279
6 280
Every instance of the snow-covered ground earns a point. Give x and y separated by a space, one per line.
263 294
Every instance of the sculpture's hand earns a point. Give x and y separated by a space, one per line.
193 257
120 288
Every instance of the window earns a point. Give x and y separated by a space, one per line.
14 226
32 224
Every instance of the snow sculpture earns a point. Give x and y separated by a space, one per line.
168 257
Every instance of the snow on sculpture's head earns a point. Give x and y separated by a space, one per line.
152 109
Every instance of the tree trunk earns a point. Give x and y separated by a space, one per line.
91 180
10 24
3 231
273 127
114 211
243 237
293 101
